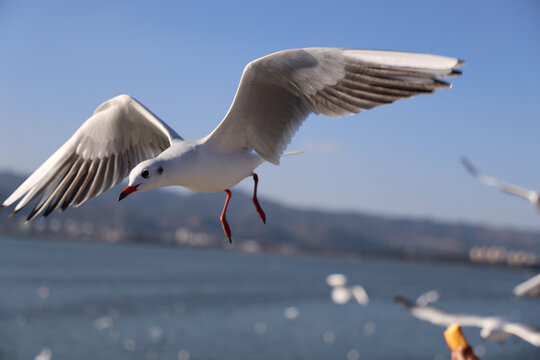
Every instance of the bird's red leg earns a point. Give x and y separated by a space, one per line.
260 211
223 218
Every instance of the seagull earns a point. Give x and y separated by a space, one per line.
341 293
492 328
529 288
532 196
276 94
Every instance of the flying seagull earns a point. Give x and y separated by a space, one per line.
532 196
492 327
275 95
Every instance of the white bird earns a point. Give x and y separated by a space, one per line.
529 288
492 327
341 293
276 94
532 196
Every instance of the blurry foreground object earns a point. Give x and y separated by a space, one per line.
493 328
276 94
529 288
454 337
457 343
464 354
532 196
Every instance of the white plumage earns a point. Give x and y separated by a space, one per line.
492 327
276 94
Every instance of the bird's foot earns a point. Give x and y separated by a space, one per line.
226 228
223 218
260 211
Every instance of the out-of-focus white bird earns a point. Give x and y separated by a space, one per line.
532 196
276 94
492 327
529 288
341 293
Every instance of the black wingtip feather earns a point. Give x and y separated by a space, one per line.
31 215
48 211
403 301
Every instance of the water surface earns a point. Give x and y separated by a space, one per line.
156 302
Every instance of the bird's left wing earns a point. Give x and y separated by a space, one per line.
525 332
277 92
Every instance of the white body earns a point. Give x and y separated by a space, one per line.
197 166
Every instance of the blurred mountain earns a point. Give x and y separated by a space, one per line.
193 219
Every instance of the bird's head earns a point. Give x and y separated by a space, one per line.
147 175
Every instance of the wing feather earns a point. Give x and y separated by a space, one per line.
120 134
278 92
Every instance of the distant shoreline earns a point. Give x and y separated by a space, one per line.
247 247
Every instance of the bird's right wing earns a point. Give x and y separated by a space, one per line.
491 181
120 134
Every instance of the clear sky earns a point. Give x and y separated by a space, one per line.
183 59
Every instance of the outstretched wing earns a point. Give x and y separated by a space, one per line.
120 134
505 187
525 332
437 316
277 92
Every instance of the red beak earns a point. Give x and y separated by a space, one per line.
127 191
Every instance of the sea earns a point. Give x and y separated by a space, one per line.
78 300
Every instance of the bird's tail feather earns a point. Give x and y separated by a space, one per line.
292 153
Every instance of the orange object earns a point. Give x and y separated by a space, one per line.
454 337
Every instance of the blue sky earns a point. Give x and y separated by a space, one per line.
59 60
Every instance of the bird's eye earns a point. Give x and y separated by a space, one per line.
145 173
160 170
